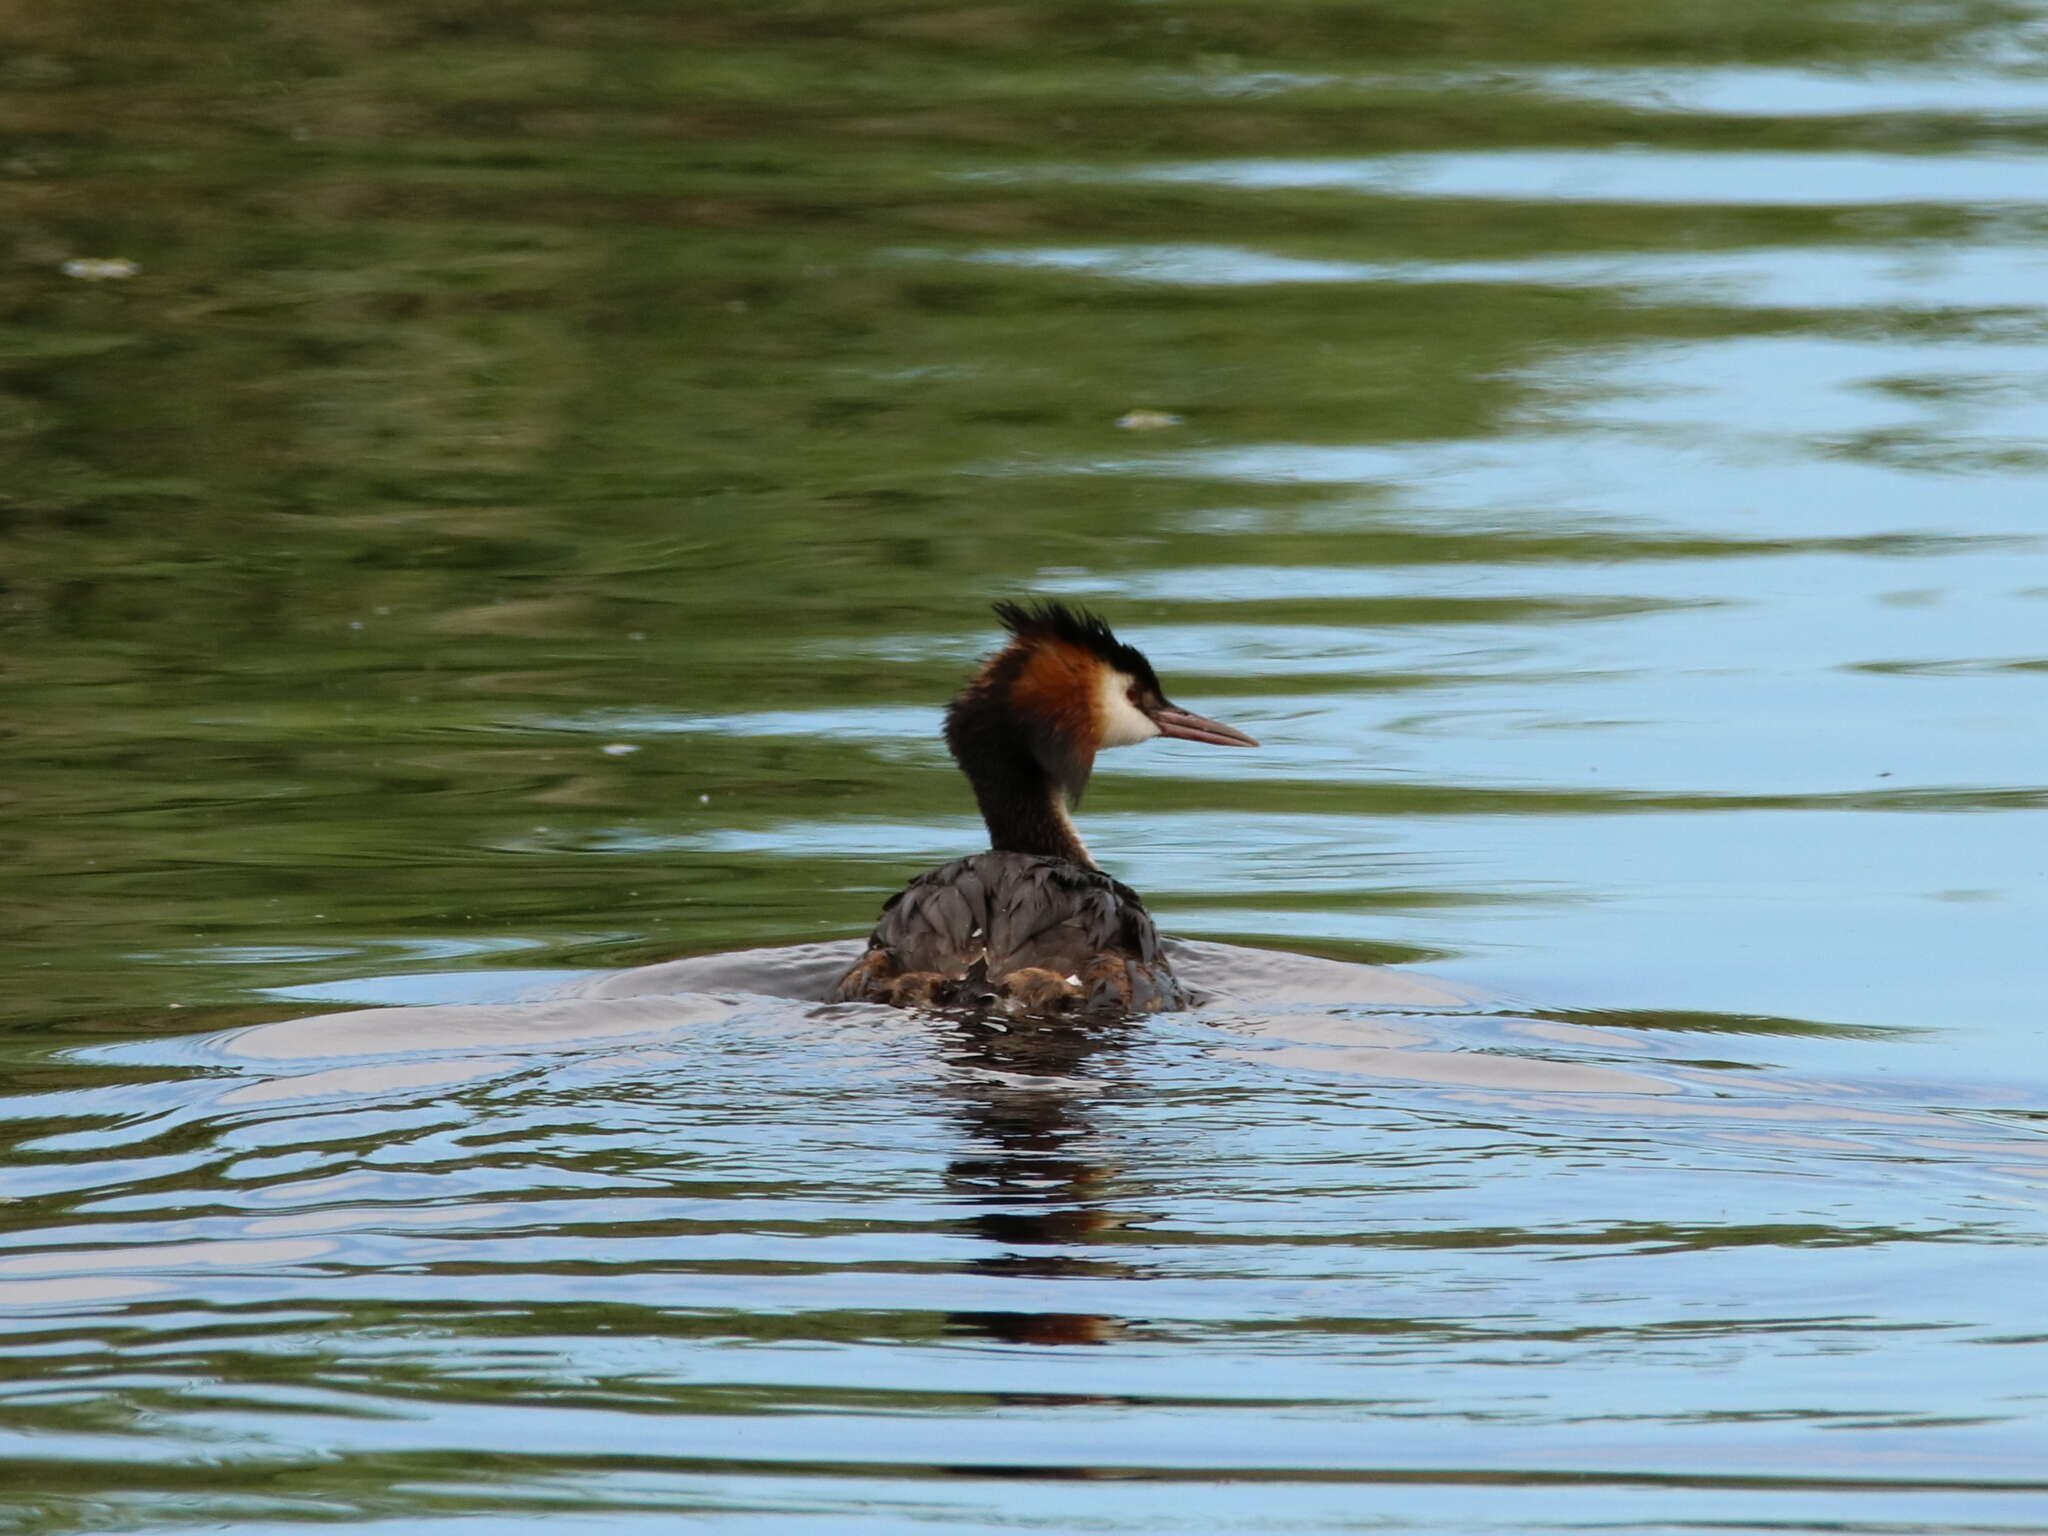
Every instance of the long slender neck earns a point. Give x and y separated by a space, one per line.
1024 806
1026 812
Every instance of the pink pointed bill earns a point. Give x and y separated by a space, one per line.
1183 726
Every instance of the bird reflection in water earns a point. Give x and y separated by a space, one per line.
1024 1088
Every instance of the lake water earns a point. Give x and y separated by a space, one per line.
495 498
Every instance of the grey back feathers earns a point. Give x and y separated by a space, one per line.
1021 931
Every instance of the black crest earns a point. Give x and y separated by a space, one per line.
1077 626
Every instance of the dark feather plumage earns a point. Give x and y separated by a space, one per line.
1079 627
1039 933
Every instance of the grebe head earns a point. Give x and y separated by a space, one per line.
1066 688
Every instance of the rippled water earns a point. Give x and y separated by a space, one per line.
495 499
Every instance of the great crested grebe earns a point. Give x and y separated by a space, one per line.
1032 926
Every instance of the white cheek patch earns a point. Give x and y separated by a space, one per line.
1123 723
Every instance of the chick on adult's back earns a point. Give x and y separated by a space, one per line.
1032 926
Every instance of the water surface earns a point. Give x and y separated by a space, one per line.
495 500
